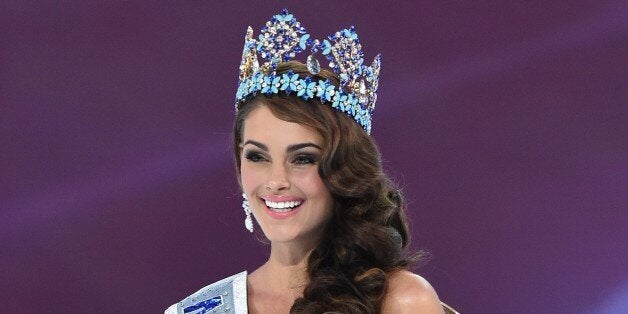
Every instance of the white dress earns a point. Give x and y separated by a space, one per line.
225 296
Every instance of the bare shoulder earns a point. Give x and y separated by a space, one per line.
410 293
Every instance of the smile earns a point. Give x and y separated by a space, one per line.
282 207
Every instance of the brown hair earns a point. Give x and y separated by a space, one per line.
366 237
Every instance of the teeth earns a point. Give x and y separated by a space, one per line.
282 206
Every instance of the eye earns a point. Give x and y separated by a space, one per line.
254 156
304 159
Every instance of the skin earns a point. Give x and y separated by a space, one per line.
280 159
409 293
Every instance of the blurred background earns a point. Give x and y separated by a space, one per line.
505 123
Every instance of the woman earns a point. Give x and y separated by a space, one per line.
312 178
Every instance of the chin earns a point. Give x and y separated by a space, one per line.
278 235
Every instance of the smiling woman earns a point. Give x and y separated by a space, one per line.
312 179
279 174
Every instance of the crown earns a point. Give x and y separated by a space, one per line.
281 39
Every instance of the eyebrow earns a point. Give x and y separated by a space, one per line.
290 148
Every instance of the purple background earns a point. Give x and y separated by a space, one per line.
506 124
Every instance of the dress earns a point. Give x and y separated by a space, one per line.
225 296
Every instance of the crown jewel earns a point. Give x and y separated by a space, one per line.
281 39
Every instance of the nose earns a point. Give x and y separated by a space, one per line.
278 179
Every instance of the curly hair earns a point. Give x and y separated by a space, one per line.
366 238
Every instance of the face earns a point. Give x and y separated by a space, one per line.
279 173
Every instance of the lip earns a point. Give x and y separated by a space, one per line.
281 198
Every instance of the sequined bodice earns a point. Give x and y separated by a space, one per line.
225 296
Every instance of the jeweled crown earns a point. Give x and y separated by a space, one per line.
281 39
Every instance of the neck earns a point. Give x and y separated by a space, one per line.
281 280
285 272
288 265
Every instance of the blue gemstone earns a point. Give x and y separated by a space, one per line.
303 41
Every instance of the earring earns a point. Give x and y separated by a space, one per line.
248 221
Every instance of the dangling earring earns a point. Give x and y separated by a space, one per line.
248 221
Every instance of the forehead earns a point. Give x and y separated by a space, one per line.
263 126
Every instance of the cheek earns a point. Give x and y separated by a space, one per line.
249 177
313 184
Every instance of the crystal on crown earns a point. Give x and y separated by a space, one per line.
281 39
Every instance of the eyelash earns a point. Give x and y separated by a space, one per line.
303 159
254 157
